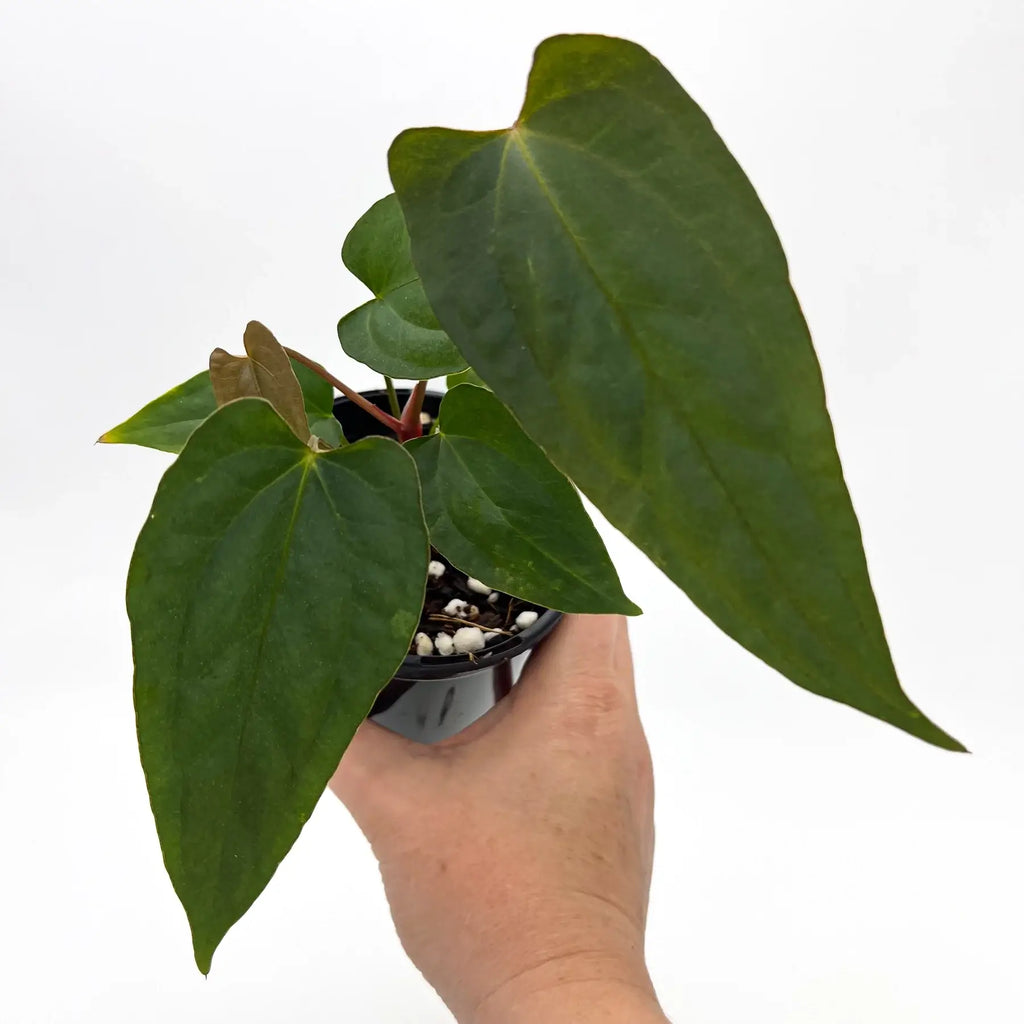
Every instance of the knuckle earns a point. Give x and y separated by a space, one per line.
593 704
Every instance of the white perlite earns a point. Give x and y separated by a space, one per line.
476 586
444 643
456 607
524 619
424 645
493 598
468 639
435 569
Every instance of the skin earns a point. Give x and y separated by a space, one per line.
517 855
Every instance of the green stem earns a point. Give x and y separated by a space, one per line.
353 396
396 409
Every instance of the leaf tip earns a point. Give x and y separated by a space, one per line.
954 745
203 953
254 329
218 357
925 729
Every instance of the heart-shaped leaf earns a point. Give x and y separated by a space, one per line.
396 333
273 591
167 422
607 267
265 371
502 513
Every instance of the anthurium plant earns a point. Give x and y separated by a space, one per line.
612 309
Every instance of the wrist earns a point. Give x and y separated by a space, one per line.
592 1002
586 990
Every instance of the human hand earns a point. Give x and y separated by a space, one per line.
516 856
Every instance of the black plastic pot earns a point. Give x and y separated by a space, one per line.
434 697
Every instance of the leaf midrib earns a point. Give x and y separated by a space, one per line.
264 630
515 136
641 185
189 614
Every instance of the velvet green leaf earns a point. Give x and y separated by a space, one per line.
498 510
167 422
273 591
395 333
608 269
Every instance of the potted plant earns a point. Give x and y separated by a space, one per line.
437 690
611 306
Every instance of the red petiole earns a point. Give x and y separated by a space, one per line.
410 424
405 428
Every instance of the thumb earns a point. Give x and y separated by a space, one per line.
587 657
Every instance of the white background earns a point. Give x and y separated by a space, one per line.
170 170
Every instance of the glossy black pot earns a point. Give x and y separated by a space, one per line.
434 697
